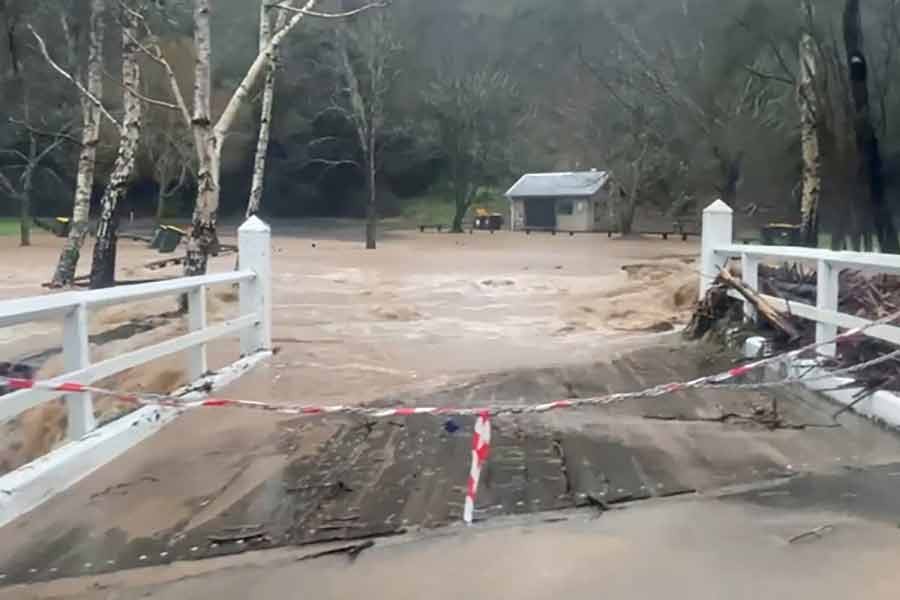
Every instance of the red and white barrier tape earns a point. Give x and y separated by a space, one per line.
481 449
711 381
718 381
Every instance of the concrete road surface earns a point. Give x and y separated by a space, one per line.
694 549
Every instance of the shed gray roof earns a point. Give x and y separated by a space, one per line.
543 185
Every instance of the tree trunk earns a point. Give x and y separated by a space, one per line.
90 138
161 198
371 205
265 119
103 268
459 202
871 168
809 136
459 216
627 204
203 239
625 215
25 208
464 202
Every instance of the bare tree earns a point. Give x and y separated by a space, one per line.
90 139
366 53
169 155
41 145
807 100
104 260
475 115
268 100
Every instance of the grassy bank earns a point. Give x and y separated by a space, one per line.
9 226
438 209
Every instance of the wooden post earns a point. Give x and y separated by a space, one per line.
76 356
718 229
828 286
255 249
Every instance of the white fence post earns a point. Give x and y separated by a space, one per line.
255 251
76 356
827 288
197 366
718 231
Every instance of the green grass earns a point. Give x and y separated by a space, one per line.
437 208
9 226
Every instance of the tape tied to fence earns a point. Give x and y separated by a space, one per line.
719 381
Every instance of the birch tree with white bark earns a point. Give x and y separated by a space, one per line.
90 139
210 136
129 131
104 260
266 28
807 100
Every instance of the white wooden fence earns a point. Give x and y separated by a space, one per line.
89 447
718 248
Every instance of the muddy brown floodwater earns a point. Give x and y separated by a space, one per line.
352 325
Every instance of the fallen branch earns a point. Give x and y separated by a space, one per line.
135 238
817 533
239 536
763 308
349 538
766 419
353 551
179 260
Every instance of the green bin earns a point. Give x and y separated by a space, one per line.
168 239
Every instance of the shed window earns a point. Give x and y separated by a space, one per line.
565 207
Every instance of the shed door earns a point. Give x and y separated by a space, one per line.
540 213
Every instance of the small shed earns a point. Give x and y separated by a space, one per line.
558 201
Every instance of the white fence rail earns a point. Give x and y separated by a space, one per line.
23 489
719 248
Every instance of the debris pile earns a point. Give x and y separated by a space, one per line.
871 297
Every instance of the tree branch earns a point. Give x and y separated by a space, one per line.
7 186
155 54
226 120
140 96
62 133
15 153
768 76
84 91
323 15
